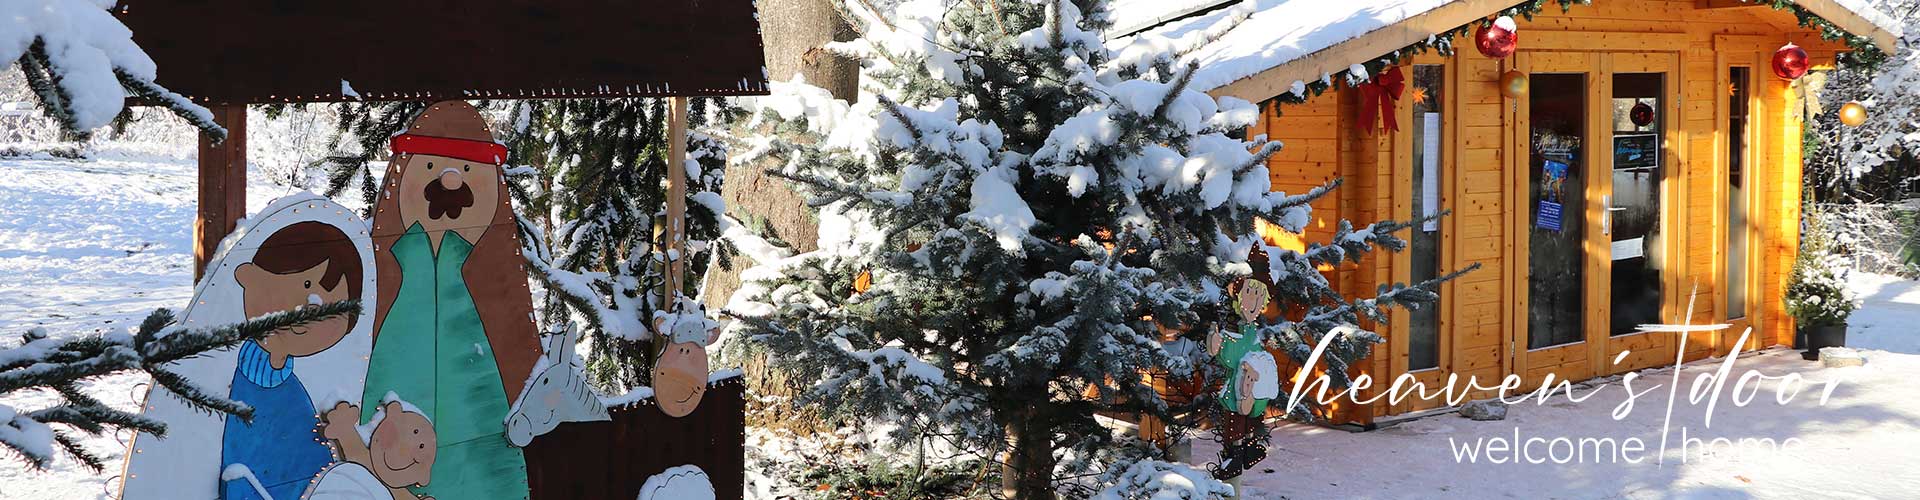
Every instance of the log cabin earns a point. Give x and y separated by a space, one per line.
1650 170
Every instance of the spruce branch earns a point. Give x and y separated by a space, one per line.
58 365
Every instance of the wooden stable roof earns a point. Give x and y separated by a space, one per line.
269 51
1287 41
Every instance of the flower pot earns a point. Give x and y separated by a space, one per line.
1812 338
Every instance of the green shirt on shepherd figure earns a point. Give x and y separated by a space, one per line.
432 351
1252 375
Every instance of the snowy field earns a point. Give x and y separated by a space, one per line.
87 247
94 245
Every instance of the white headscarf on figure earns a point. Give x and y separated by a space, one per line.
186 463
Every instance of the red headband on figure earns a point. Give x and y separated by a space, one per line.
487 152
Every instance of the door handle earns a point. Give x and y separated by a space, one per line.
1606 217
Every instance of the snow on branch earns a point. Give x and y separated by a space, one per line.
82 64
42 362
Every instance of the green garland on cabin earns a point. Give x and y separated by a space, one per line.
1864 54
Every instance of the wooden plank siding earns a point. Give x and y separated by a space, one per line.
1485 184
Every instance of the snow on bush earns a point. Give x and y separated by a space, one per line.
1157 480
1817 293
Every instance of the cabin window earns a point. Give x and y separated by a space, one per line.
1737 112
1428 156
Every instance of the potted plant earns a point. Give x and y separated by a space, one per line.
1817 294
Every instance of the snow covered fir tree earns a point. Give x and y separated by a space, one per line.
1020 224
593 202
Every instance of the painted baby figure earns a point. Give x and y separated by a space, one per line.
454 333
302 265
1254 376
379 463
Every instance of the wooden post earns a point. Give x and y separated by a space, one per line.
223 184
676 226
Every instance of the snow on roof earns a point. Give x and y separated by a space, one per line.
1866 10
1282 31
1132 16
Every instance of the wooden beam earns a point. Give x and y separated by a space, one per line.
1606 41
223 184
676 226
1726 4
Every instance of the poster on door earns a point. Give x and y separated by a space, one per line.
1553 180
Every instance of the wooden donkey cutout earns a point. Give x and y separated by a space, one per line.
558 394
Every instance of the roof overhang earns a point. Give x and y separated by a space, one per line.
254 51
1858 19
1850 15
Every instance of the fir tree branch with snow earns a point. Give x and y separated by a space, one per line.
60 365
1012 223
82 65
589 205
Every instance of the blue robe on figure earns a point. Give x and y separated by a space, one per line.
282 446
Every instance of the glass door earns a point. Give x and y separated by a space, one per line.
1560 176
1556 231
1635 213
1633 207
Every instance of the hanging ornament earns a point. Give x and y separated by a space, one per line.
1807 89
1789 62
1853 114
1641 114
1514 84
1498 39
1377 99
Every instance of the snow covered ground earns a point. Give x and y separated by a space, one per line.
1862 443
1886 321
87 246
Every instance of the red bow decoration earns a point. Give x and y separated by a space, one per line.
1377 97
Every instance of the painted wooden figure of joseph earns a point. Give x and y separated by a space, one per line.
455 333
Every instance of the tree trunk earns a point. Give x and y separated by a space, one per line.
1028 474
794 33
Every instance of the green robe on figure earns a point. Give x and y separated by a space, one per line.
432 351
1232 349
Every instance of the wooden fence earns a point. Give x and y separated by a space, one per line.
594 460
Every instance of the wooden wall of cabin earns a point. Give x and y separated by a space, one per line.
1481 310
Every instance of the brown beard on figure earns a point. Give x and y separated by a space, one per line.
443 201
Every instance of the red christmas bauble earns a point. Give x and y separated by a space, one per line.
1790 62
1498 39
1641 114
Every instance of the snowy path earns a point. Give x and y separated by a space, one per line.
1890 317
88 247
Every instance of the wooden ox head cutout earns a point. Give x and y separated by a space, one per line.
680 371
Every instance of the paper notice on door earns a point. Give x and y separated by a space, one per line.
1430 169
1629 249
